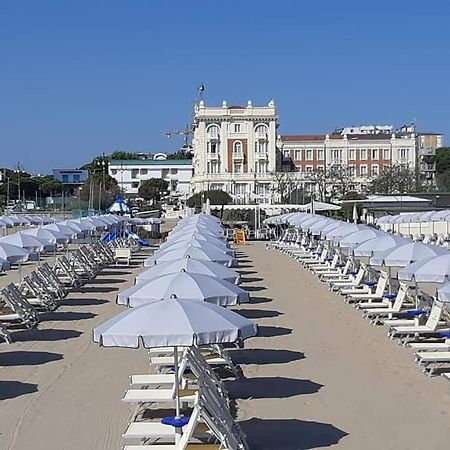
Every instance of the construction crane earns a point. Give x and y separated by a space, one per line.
188 131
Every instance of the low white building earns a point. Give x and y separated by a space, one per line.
130 173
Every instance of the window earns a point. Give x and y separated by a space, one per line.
261 129
363 154
261 167
320 168
375 154
386 153
363 171
352 170
263 189
237 127
320 155
76 178
173 171
237 148
298 155
65 178
261 147
286 154
237 167
375 170
135 185
336 155
164 173
351 154
113 171
308 169
240 188
134 173
212 147
213 167
144 171
309 155
299 169
213 131
404 153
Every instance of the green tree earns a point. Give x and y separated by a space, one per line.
215 196
395 179
442 159
99 188
151 189
121 155
180 154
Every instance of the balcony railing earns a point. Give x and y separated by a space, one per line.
213 135
261 136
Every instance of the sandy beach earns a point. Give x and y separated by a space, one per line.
317 376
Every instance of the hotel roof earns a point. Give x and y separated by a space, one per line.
150 162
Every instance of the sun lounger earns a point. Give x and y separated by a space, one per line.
430 362
367 298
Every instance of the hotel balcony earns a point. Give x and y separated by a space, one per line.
238 156
261 136
213 136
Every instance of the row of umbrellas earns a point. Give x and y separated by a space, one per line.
422 217
410 261
47 233
179 299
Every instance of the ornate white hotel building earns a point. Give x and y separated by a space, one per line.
237 149
234 149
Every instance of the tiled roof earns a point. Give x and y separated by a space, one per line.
302 137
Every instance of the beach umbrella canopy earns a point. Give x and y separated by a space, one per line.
406 254
14 254
85 224
438 216
4 264
199 228
193 252
195 243
197 236
7 221
189 285
321 225
19 220
339 232
379 243
74 226
362 235
190 265
28 242
52 236
443 293
174 322
67 231
435 269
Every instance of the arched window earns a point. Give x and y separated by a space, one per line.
213 130
237 148
261 128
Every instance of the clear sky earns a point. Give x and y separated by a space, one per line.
78 78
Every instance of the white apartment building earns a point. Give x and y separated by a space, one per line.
234 150
130 173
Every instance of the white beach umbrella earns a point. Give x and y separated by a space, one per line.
190 265
197 229
198 236
14 254
356 238
443 293
7 221
339 232
67 231
318 227
19 220
193 252
52 236
28 242
406 254
98 223
379 243
188 285
4 264
174 322
85 224
439 216
194 243
435 269
71 224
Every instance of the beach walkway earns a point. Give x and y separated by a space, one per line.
321 376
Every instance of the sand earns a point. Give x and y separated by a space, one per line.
318 376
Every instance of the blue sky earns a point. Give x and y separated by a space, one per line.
84 77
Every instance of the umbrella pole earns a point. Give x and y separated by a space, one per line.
177 394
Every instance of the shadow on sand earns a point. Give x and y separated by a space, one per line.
258 299
265 356
107 281
258 313
83 302
270 387
270 331
251 279
66 316
114 272
41 335
255 288
24 358
290 434
99 290
245 272
13 389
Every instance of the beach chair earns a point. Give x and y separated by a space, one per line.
329 264
385 309
431 362
337 274
4 333
123 256
367 299
433 326
353 281
14 308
